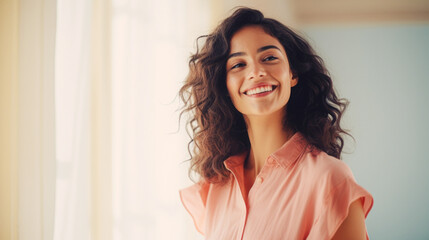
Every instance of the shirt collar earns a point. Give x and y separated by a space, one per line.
290 151
235 160
284 156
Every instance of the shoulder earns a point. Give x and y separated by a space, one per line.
324 168
335 188
194 199
332 181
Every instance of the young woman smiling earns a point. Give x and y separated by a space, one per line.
267 138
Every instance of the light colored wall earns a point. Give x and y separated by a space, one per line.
382 70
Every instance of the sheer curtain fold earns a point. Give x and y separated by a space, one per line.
31 135
8 111
101 121
83 121
72 111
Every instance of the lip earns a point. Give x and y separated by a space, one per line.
260 85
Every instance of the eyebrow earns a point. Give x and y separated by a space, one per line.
261 49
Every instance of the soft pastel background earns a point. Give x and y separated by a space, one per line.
90 146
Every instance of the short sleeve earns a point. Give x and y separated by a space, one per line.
194 200
336 206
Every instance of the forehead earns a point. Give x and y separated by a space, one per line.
251 38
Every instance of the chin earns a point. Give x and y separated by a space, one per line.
265 112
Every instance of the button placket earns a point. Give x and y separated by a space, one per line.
261 176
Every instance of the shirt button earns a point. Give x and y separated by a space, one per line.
259 179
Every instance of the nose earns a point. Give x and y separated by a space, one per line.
256 71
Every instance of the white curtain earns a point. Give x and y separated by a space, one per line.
119 67
90 147
150 49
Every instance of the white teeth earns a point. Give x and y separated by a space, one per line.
259 90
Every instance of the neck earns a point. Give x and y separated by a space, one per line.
266 135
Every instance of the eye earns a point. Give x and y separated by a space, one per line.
238 65
269 58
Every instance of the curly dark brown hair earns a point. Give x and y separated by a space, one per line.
218 130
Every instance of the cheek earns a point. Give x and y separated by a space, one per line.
286 78
283 73
232 85
233 88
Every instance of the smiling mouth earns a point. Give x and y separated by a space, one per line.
259 90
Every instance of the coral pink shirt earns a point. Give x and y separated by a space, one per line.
300 193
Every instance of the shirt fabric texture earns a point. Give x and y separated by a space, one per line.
300 193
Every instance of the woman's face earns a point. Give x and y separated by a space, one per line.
258 76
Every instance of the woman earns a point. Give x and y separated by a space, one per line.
267 138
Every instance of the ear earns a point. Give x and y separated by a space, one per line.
294 80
